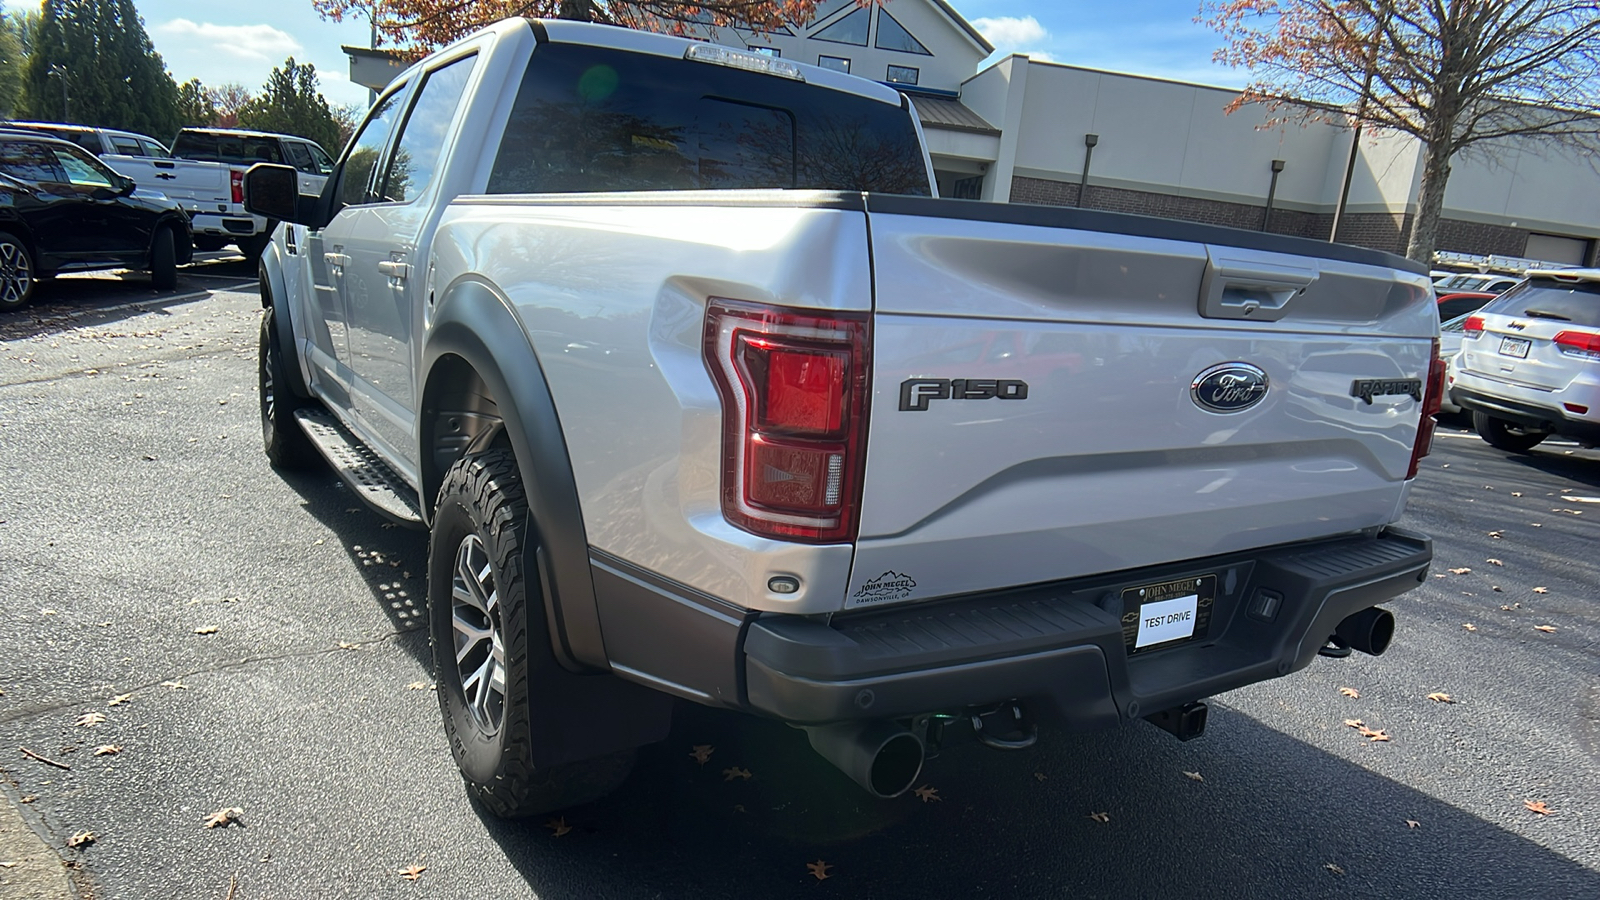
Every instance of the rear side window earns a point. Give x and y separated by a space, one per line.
30 161
1548 298
125 146
422 136
226 148
299 157
153 149
595 119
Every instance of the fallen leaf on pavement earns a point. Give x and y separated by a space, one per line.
1194 776
1333 868
558 827
1538 806
1494 562
1039 776
702 752
1547 629
1508 607
1355 723
224 817
108 750
819 869
1100 817
928 794
1413 823
90 719
1496 534
1350 692
346 645
412 872
1461 571
120 699
1572 499
1541 590
735 772
84 838
1372 734
1469 626
1516 493
418 686
175 685
1439 697
206 629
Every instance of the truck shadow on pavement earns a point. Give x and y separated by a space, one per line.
71 301
1273 817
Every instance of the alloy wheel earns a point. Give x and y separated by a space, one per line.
479 645
15 273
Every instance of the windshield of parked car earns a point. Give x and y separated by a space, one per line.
596 119
235 149
1577 302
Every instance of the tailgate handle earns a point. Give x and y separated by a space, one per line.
1246 286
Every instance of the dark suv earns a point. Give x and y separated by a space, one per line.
62 210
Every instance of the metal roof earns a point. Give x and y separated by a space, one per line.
937 112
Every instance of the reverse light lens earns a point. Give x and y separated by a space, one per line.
1473 326
236 182
793 385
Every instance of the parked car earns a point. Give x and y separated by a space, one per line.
1530 362
99 141
62 210
1473 281
1452 305
1451 334
819 451
206 176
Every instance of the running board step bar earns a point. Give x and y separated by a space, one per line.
367 475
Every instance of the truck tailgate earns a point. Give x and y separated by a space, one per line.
1033 410
205 183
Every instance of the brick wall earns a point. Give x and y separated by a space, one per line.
1380 231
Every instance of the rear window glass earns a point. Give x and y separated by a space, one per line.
1548 298
594 119
226 148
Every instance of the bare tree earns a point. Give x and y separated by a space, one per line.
1459 75
420 25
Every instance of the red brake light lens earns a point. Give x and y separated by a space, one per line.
793 385
236 182
1473 326
1579 343
1432 397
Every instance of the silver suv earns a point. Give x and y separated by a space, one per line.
1530 362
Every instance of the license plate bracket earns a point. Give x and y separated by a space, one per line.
1517 347
1167 613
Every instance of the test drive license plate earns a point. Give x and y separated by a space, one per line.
1172 611
1518 347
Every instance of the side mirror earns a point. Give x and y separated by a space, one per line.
104 193
272 191
128 186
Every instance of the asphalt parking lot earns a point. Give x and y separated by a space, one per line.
251 641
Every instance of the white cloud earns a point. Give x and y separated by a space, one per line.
1009 32
261 42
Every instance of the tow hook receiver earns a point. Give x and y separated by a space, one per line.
1369 631
882 757
1185 722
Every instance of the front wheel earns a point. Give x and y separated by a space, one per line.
490 651
16 273
1506 435
164 260
282 438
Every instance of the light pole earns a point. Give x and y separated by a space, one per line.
60 71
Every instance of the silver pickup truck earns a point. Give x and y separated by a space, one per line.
704 397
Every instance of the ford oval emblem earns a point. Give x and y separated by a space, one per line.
1229 387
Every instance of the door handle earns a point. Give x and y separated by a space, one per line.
394 269
336 259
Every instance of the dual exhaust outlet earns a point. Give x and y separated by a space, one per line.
885 758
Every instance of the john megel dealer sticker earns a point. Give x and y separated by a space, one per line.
890 585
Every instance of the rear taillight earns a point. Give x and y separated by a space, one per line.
1584 344
1432 395
1473 326
236 182
793 385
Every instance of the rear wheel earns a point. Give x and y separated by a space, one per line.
164 261
285 443
1505 435
16 273
251 247
490 648
208 244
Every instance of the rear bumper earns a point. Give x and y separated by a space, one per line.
1059 645
228 225
1531 415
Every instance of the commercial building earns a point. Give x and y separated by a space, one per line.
1020 130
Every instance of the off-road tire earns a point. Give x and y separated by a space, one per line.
163 260
482 495
18 273
1505 435
284 441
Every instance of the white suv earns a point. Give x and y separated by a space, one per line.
1530 362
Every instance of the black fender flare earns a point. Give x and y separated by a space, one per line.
475 322
270 277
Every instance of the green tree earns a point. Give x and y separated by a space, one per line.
13 60
113 76
289 103
196 105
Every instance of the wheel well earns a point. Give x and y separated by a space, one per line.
183 250
459 415
27 242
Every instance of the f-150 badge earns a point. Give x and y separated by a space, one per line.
915 393
1367 388
1228 387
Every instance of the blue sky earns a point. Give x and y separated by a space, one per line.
220 41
